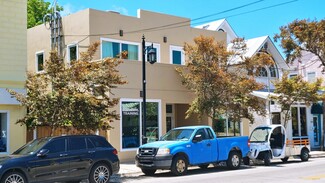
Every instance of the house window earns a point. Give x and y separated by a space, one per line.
273 71
292 75
3 132
311 77
262 72
132 125
113 48
177 55
224 128
72 52
39 61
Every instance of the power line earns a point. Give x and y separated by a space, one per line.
179 23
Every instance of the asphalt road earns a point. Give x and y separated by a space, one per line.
293 171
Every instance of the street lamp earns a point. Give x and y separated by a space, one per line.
152 58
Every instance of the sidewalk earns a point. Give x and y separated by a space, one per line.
129 168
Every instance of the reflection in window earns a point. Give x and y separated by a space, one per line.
294 115
303 122
152 121
40 61
3 132
113 50
222 129
273 71
72 52
130 124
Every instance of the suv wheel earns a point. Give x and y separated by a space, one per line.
14 177
100 173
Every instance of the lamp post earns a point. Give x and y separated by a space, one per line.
151 57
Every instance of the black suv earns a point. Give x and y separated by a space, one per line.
64 158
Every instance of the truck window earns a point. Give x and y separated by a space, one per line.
209 132
202 133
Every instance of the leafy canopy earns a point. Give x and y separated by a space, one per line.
293 90
36 10
77 95
222 84
303 35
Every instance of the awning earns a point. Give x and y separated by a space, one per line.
263 94
317 108
7 99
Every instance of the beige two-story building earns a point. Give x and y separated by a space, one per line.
167 98
13 55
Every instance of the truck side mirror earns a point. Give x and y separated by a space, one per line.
197 138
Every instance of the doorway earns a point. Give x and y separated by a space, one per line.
170 122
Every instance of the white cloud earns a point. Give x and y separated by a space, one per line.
121 10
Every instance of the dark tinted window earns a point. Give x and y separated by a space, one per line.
90 144
56 146
77 143
202 133
100 142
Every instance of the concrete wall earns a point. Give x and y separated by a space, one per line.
13 60
13 21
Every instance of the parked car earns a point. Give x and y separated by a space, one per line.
64 158
270 142
191 146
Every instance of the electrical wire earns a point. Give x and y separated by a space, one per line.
185 23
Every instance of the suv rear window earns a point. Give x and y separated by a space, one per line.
99 142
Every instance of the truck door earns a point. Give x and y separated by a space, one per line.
201 151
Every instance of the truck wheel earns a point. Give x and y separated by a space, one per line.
148 172
234 160
284 159
267 159
179 165
304 155
204 166
246 160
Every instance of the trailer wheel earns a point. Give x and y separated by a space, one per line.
285 159
267 159
234 160
304 155
179 165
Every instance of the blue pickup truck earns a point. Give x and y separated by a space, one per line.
191 146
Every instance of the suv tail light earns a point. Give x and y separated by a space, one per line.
115 151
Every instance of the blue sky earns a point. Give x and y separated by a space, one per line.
254 20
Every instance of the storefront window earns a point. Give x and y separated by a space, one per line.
299 118
132 124
221 129
3 130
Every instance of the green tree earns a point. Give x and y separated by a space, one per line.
36 10
222 80
303 35
295 89
77 95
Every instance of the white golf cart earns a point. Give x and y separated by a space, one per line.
269 142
